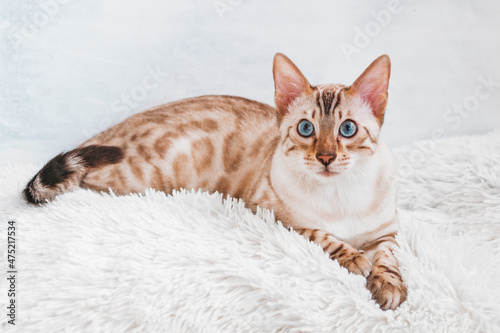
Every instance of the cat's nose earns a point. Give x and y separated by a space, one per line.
326 158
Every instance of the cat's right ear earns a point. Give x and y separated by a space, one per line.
289 83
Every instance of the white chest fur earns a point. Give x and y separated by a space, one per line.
342 205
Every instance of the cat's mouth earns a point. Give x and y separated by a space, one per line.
326 173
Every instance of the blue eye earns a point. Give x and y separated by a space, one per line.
305 128
348 129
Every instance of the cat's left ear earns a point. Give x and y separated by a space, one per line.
289 83
372 86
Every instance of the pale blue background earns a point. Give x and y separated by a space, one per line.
66 65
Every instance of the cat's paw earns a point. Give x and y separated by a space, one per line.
386 286
353 260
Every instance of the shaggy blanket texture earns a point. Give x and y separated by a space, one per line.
193 262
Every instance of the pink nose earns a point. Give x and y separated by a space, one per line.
326 158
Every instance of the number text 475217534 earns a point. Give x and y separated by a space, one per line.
11 271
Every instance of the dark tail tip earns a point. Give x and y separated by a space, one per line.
64 172
27 194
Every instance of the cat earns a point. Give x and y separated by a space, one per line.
316 160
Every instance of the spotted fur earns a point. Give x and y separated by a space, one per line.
253 151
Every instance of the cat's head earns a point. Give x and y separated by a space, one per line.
327 130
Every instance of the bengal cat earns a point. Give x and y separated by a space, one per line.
316 160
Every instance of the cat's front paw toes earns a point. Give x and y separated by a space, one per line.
354 261
387 287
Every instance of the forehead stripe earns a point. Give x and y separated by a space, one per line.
328 97
337 101
318 101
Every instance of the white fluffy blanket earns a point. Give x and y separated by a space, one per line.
192 262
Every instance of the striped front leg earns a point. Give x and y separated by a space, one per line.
385 282
347 256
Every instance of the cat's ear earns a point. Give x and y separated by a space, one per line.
372 86
289 83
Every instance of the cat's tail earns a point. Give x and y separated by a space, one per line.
64 172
